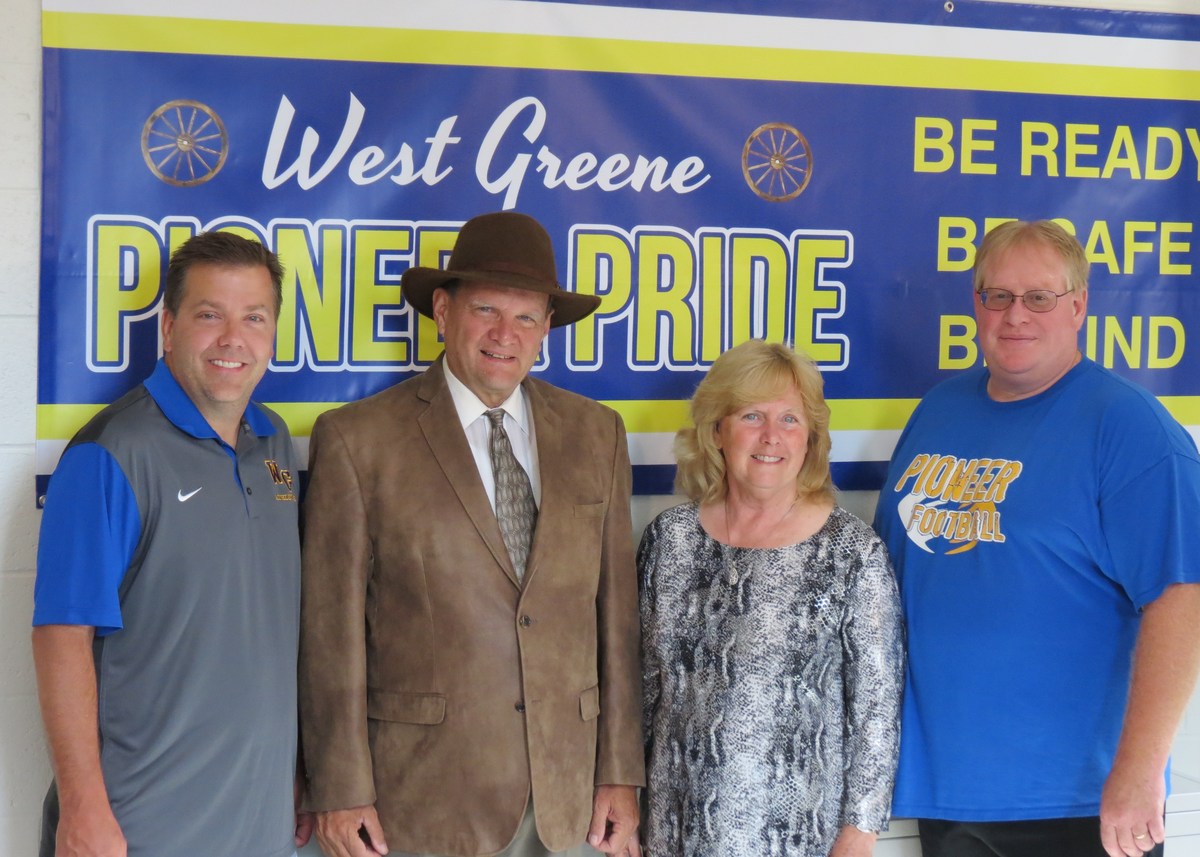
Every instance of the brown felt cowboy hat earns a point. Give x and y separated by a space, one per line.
502 249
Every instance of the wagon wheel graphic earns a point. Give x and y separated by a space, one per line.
777 162
184 143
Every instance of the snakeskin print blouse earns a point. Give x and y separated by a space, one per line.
772 689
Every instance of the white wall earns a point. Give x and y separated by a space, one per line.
23 769
24 772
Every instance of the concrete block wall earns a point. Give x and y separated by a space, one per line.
24 772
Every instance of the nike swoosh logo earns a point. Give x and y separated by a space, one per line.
183 498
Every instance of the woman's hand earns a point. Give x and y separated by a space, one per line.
852 842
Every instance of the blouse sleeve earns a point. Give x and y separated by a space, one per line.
873 651
647 561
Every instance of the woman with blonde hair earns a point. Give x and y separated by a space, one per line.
772 643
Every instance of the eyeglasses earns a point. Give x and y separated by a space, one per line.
1035 300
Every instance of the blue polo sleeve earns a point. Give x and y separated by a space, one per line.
90 530
1150 526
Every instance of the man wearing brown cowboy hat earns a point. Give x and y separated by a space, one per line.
469 656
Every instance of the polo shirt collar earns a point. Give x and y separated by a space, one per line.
178 407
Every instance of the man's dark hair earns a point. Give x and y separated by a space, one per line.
222 249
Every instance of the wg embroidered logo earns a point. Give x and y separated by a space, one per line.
282 479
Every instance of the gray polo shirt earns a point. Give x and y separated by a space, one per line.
184 554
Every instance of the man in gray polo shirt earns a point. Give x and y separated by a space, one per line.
167 597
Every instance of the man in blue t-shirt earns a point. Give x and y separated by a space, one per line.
166 606
1041 513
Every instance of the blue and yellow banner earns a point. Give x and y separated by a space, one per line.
713 174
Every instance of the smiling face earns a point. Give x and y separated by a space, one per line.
764 445
219 343
1026 351
493 335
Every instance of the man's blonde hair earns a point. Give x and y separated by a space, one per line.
1016 233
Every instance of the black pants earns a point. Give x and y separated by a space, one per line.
46 846
1051 837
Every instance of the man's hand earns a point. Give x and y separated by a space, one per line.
1131 811
90 831
66 676
615 821
1165 662
338 832
305 822
852 842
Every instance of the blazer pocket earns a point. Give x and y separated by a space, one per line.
589 703
590 510
402 707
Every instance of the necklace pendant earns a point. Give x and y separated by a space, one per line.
733 572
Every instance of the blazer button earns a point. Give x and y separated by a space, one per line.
520 706
525 621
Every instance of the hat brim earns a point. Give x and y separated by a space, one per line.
417 286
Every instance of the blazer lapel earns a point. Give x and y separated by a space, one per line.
551 451
439 423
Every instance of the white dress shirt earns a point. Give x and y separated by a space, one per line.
518 423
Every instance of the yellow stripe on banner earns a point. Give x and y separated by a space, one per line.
91 31
652 416
1185 409
870 414
300 416
845 414
60 422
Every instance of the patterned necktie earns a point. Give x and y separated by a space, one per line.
515 509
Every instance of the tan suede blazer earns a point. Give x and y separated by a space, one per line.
431 684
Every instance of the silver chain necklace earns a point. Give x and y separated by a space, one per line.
733 576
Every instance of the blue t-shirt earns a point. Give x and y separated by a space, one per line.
1027 536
